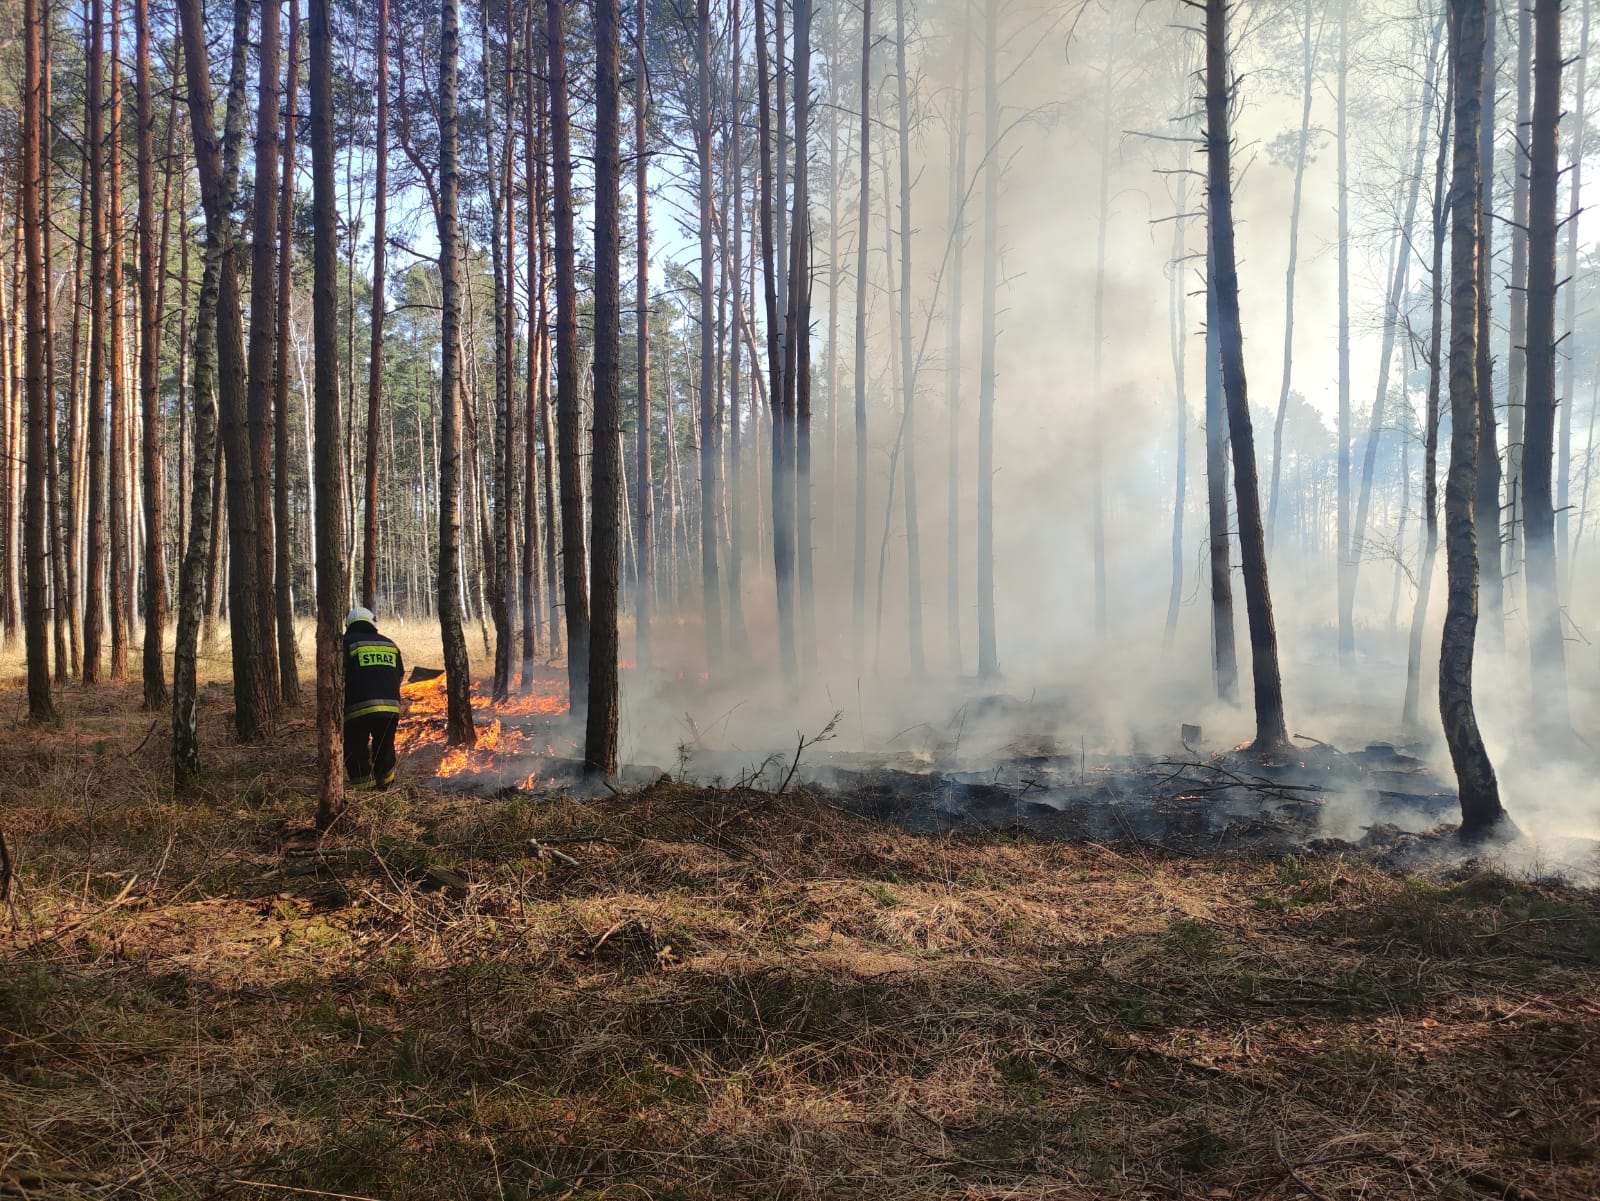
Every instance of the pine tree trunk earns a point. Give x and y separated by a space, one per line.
800 290
781 481
497 541
988 657
263 338
1517 299
65 658
425 558
348 392
459 729
600 736
180 482
288 668
11 389
780 182
77 477
532 600
169 485
1391 315
958 241
1546 636
509 461
1096 437
255 704
836 77
1224 655
783 476
542 390
625 530
200 551
216 555
643 510
1574 210
1179 333
1478 788
573 570
1405 512
1272 732
759 401
908 366
1588 474
218 165
729 409
1346 585
12 341
1302 154
35 552
380 251
483 577
94 614
669 435
117 413
332 586
1430 469
155 686
710 439
553 582
863 214
1487 509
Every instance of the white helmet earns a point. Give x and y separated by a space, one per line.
359 613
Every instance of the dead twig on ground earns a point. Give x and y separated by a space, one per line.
61 932
1501 1190
144 740
1260 784
825 735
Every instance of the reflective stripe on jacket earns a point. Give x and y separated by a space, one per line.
373 669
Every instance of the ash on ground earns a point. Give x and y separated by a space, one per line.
1382 803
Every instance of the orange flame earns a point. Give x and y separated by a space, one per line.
422 726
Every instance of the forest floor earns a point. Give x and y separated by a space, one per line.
693 993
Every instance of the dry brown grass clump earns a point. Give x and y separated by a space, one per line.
686 993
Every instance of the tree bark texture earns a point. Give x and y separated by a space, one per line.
154 672
600 734
1546 637
1272 732
288 667
36 561
459 730
574 574
332 585
1475 777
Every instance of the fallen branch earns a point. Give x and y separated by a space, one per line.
304 1192
1504 1190
543 851
143 740
61 932
1284 792
1293 1172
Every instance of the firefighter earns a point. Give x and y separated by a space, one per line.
373 670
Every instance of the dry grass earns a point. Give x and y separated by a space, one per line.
727 994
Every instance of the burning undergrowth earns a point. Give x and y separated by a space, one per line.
533 722
1382 801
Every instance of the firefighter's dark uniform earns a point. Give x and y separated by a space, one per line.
373 670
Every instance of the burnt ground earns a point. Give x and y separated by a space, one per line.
691 991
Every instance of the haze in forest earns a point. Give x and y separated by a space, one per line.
1124 687
1091 118
785 598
